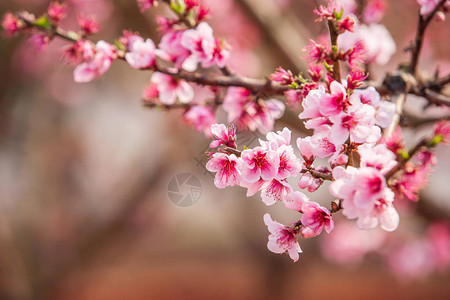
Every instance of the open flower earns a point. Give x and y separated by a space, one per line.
282 239
259 163
227 168
170 89
142 53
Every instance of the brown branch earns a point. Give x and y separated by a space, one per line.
255 85
318 174
414 121
421 27
333 37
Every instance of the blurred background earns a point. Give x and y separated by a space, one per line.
85 211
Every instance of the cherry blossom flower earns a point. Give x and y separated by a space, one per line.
282 239
365 197
306 149
295 201
358 123
201 118
282 76
39 41
259 163
170 48
11 24
200 42
316 218
170 89
142 53
227 169
88 25
427 6
97 65
312 103
146 4
276 140
57 11
442 131
310 183
274 190
256 115
335 102
376 38
378 157
374 11
223 135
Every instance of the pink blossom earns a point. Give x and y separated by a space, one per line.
39 41
256 115
317 53
316 218
274 191
276 140
252 187
227 169
203 47
374 11
200 43
57 11
290 165
295 200
442 130
377 40
259 163
306 149
282 76
223 135
11 24
170 89
170 48
335 102
146 4
358 123
293 98
378 157
142 53
82 50
201 118
97 65
88 25
321 143
365 197
347 24
282 239
427 6
310 183
312 103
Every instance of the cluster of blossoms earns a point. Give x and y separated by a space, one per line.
368 166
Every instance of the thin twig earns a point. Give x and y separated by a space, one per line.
421 27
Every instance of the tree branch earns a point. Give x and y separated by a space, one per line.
421 27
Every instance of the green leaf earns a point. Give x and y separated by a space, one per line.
404 154
338 15
43 22
178 6
436 140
